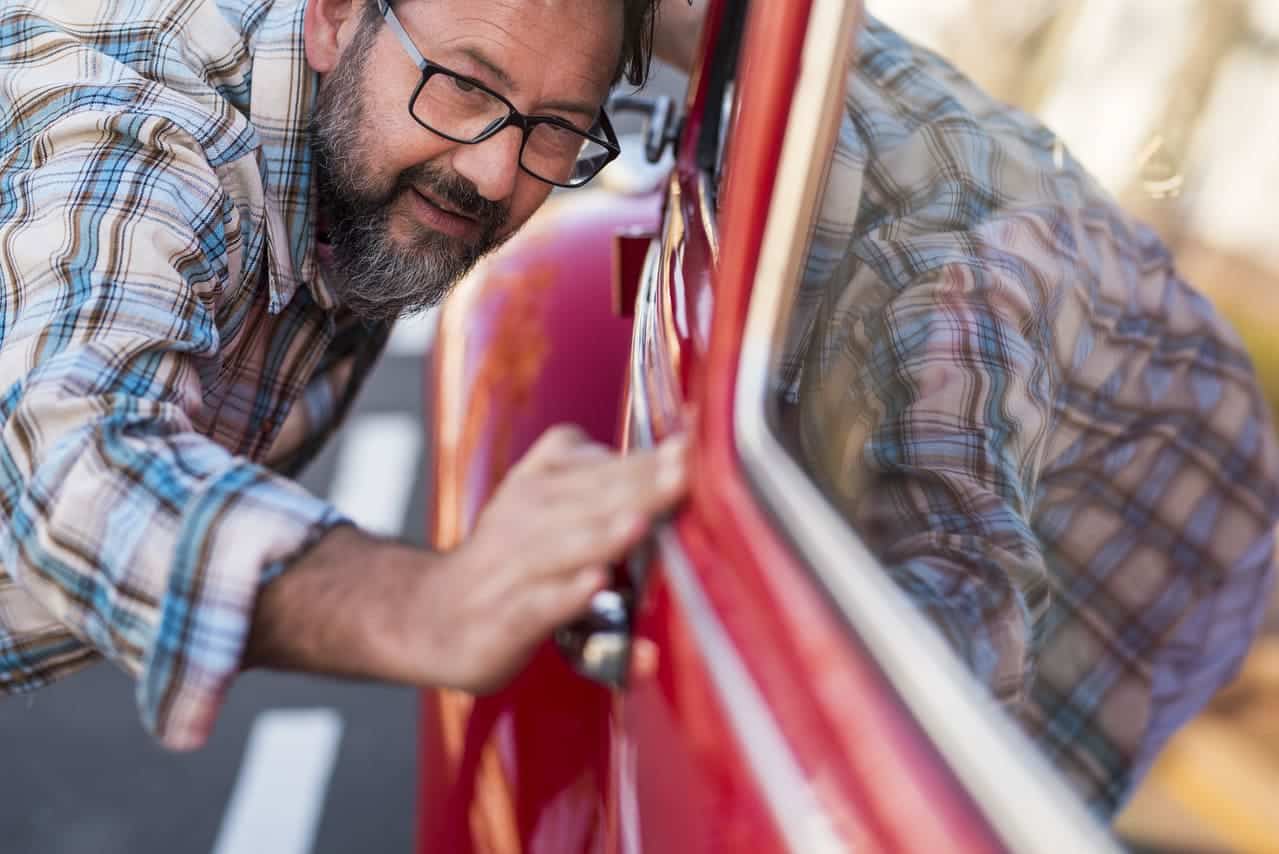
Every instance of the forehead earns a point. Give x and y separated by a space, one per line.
551 43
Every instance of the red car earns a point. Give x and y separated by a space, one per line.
754 682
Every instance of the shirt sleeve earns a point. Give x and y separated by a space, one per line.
145 539
928 428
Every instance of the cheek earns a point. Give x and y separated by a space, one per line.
529 195
391 139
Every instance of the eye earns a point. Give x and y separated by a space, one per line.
563 134
570 127
463 85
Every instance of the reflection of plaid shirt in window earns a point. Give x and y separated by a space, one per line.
1054 445
162 312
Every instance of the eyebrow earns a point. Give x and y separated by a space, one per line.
477 56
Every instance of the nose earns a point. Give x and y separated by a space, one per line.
492 165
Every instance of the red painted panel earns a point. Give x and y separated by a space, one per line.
689 788
528 342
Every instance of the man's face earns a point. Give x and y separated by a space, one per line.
409 212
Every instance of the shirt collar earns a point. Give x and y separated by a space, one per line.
282 97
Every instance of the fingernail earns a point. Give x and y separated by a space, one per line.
675 447
628 524
671 474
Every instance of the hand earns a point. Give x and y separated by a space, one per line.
678 31
539 552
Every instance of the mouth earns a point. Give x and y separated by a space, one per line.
437 215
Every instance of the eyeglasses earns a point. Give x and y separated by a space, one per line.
463 110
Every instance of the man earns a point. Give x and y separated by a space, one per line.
1054 445
208 212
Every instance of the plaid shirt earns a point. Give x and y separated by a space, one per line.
1055 446
162 312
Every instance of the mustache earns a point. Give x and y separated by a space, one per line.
455 191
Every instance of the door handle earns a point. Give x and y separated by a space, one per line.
598 644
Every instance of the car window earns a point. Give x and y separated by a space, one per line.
1173 106
911 377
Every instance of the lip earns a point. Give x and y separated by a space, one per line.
433 216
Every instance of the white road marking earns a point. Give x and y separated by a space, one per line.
276 803
377 465
413 336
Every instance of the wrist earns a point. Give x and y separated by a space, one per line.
340 609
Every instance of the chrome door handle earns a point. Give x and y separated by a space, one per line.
598 644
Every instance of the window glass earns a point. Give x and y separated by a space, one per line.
1017 364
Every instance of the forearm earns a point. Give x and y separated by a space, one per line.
344 608
353 605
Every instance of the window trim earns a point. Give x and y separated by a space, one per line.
804 824
722 70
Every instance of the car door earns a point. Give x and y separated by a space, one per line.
760 689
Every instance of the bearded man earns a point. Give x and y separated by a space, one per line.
209 213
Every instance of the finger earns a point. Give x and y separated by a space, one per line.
552 444
554 603
594 472
533 477
598 526
581 454
648 482
574 544
593 516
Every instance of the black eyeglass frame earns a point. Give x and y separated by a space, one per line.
525 123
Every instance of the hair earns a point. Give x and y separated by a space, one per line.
639 17
638 20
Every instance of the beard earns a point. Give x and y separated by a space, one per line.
380 278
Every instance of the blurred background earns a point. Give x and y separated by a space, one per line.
1174 106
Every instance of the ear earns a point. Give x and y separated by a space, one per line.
327 29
